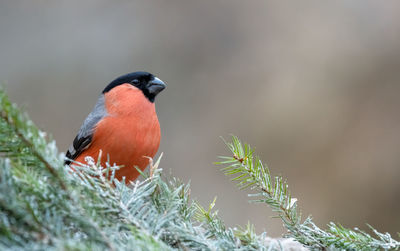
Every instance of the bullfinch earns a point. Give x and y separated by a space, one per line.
123 125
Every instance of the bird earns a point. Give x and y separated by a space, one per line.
123 125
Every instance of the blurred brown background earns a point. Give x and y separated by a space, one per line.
313 85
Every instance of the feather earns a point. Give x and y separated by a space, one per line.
85 135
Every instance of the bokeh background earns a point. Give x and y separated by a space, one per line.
313 85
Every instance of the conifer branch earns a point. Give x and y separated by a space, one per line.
27 137
249 172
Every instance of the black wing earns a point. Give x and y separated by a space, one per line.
77 147
85 135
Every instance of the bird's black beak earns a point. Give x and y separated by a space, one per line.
155 86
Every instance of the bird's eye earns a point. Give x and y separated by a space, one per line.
135 81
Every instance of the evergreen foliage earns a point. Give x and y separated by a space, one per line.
45 205
250 172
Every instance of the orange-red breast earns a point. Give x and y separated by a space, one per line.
123 124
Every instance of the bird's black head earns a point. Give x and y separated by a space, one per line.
147 82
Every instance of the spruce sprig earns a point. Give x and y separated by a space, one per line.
250 172
21 140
